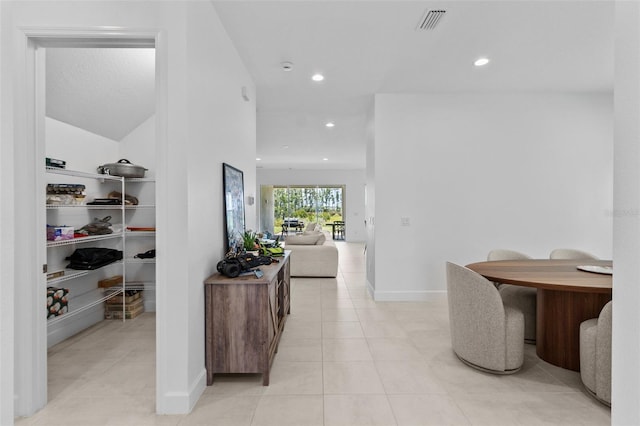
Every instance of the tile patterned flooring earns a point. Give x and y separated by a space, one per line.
343 360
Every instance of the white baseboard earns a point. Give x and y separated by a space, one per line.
182 402
371 289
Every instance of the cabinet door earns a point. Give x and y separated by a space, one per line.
284 292
273 316
237 319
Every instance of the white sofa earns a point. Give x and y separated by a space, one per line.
312 255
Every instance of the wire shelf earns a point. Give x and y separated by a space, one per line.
140 285
57 171
114 291
140 206
67 276
81 240
133 180
85 206
140 233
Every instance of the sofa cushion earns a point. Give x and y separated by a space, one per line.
310 227
302 240
321 236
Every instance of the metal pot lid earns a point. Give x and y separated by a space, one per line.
123 163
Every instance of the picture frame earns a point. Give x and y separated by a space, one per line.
234 213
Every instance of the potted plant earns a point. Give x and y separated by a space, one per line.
249 241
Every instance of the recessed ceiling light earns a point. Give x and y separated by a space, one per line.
258 159
325 159
286 66
285 146
317 77
480 62
330 124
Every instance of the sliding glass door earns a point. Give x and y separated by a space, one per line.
296 206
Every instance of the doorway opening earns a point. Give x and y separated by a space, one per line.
290 208
47 137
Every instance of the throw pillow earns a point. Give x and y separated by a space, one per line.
310 226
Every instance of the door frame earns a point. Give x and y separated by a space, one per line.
30 328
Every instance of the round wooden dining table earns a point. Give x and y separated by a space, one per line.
566 296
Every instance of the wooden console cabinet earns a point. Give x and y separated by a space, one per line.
244 319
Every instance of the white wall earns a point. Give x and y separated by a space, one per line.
139 146
354 180
69 143
7 233
626 231
221 128
199 122
370 203
530 172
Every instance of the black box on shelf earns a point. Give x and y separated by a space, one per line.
52 162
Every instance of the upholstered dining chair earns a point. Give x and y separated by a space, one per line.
523 298
565 254
595 355
486 334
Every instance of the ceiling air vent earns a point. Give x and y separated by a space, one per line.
430 19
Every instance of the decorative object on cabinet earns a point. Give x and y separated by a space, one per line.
235 264
233 182
249 240
244 319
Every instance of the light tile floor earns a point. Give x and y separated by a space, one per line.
343 360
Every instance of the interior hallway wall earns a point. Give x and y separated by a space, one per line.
457 175
625 374
205 122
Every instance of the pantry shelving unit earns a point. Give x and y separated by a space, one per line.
85 299
141 217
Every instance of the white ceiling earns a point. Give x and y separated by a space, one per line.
369 47
363 48
106 91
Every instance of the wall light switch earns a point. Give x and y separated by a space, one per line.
404 221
